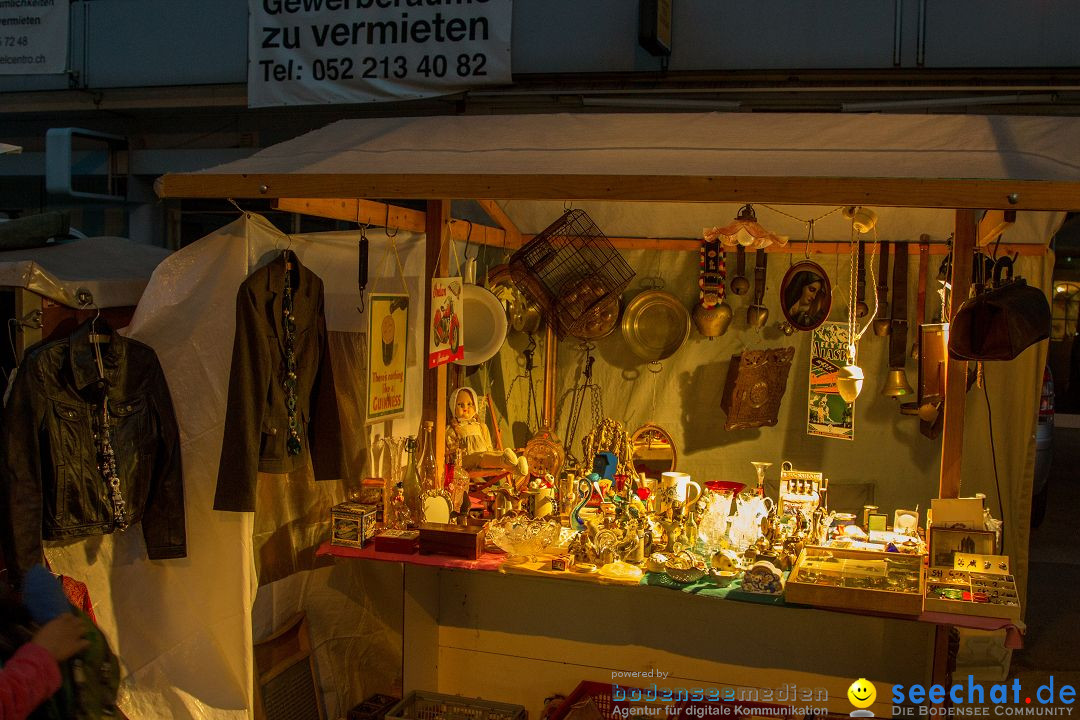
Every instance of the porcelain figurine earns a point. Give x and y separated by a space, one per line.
467 432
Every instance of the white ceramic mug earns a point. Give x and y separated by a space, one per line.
686 491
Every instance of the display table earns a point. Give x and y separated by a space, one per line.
496 562
516 633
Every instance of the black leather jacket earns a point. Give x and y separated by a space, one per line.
49 456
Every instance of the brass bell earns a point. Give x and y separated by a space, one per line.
757 316
883 323
896 385
712 321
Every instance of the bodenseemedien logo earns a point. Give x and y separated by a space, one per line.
862 695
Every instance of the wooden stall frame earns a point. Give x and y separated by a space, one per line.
323 194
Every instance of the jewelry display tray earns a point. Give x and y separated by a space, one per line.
890 583
1002 600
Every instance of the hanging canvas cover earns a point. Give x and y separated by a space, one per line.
828 414
387 337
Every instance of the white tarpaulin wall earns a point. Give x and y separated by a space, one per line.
183 628
113 269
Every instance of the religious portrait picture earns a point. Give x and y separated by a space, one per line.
806 295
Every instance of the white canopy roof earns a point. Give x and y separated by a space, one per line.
903 160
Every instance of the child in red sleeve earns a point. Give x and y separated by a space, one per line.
30 670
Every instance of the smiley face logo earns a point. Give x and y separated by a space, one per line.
862 693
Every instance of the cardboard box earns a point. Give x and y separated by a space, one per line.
464 541
351 524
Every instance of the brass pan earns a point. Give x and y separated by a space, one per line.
655 325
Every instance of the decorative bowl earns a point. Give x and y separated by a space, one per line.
521 537
723 578
684 568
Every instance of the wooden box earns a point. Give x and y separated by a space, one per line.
755 384
988 592
352 524
398 541
464 541
883 582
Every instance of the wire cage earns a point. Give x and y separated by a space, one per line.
572 271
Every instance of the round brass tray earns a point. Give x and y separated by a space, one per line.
655 324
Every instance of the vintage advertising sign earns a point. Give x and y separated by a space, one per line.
388 333
829 416
445 336
33 36
314 52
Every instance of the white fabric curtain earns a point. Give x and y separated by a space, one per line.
183 628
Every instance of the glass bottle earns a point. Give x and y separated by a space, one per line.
410 484
430 477
459 482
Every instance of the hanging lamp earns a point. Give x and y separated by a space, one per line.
745 230
849 379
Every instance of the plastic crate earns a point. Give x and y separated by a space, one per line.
599 692
422 705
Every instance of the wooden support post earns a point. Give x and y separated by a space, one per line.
952 435
496 213
357 211
551 353
437 260
993 223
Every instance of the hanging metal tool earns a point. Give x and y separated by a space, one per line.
585 389
362 265
882 323
861 308
920 299
532 412
757 315
897 386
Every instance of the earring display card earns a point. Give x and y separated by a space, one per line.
982 594
990 564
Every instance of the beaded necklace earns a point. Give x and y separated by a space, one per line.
288 323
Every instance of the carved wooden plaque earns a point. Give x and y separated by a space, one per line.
755 384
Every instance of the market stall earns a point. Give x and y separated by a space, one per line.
652 183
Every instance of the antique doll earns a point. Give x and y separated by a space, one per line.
472 436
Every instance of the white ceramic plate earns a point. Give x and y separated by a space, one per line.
485 325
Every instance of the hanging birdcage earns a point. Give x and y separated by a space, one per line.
572 271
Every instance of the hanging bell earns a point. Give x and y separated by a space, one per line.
896 385
712 321
757 316
849 382
883 323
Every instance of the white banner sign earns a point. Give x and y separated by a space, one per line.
33 36
308 52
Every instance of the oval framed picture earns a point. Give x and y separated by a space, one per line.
805 295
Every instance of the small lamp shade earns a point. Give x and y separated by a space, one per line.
745 231
849 382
